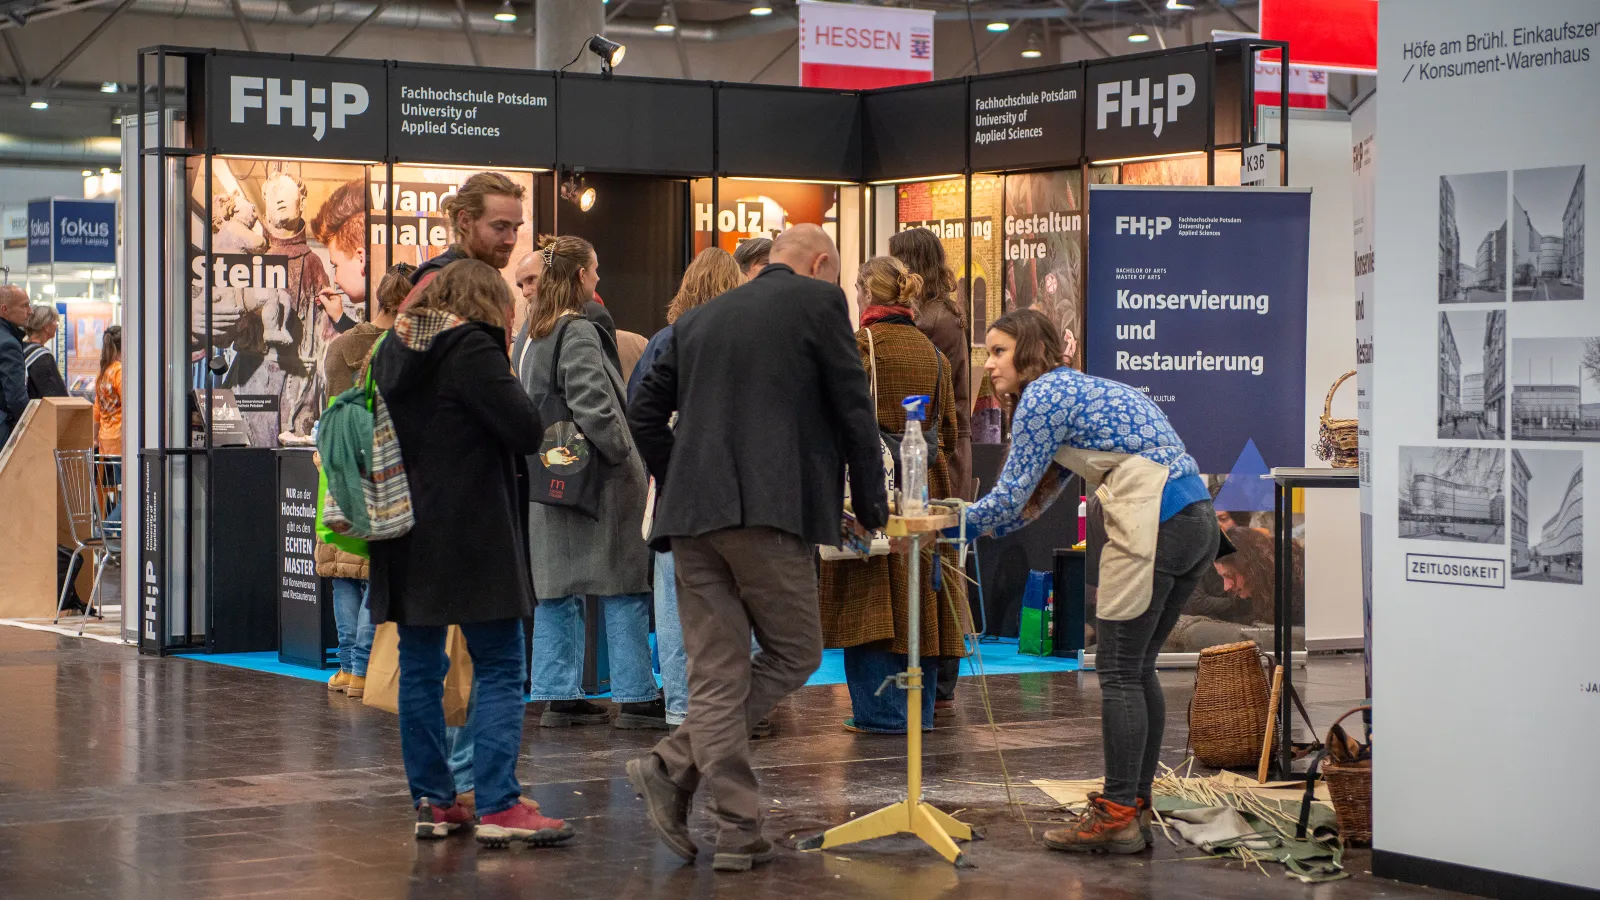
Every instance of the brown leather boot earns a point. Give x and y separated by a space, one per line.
1105 827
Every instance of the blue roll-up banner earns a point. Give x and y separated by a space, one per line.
39 232
1198 297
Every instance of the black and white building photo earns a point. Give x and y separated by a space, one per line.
1555 389
1472 375
1547 233
1453 494
1472 238
1547 515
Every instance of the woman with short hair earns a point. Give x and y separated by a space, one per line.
44 379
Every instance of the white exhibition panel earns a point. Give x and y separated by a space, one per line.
1319 158
1486 707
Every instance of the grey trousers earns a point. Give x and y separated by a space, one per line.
731 583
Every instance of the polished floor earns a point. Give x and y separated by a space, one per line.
129 777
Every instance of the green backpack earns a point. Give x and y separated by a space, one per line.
367 494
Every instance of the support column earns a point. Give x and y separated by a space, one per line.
560 29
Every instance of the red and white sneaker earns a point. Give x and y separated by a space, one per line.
434 822
522 823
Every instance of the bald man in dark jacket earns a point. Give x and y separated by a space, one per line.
772 403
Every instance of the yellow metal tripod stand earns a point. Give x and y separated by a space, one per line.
934 827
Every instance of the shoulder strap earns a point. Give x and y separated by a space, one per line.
33 356
872 368
555 357
371 385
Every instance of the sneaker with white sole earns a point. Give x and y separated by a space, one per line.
435 822
522 823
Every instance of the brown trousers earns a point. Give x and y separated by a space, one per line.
731 582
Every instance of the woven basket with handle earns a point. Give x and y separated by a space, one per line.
1339 439
1229 709
1347 769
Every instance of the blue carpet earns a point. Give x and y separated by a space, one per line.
999 658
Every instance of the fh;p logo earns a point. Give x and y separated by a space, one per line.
1158 103
247 92
1149 226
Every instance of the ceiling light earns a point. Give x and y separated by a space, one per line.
105 170
505 13
38 104
87 173
1138 35
998 26
761 9
610 52
109 87
1033 50
1179 4
664 23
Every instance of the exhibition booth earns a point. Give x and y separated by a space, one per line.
266 208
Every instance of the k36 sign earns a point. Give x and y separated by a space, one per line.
282 106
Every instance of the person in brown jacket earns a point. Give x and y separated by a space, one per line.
863 602
343 366
941 320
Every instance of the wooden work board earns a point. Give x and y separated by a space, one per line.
35 519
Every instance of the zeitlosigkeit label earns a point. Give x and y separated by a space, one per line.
1463 570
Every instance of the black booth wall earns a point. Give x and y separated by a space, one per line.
637 229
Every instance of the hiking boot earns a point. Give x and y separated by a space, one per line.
339 681
434 822
356 687
762 729
561 713
522 823
1146 821
741 859
469 799
1104 827
665 803
942 708
650 716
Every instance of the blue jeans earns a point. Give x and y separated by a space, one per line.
496 649
558 649
458 740
864 671
353 619
669 641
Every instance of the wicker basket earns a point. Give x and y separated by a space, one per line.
1350 786
1229 711
1339 440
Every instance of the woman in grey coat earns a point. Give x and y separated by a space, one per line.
574 555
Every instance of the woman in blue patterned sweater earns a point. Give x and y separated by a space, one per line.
1118 438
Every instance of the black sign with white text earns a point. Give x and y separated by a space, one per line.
279 106
301 640
152 552
1028 120
483 117
1142 107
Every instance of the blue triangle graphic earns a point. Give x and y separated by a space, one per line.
1245 490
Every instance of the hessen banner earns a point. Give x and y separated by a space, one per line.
1197 296
1308 88
852 47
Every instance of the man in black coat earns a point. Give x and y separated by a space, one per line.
772 404
13 372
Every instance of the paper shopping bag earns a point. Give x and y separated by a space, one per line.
383 674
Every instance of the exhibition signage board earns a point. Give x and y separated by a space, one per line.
482 117
1026 121
1486 418
1363 163
857 46
300 592
1308 87
802 134
314 108
636 125
1197 296
1148 105
1334 34
72 231
910 132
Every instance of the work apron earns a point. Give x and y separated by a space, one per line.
1129 490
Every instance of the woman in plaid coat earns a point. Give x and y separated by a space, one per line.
864 601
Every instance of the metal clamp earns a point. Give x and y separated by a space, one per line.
898 679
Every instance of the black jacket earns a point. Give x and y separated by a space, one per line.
462 421
13 379
772 401
44 379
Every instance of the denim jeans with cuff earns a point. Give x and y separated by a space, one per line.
352 618
558 649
